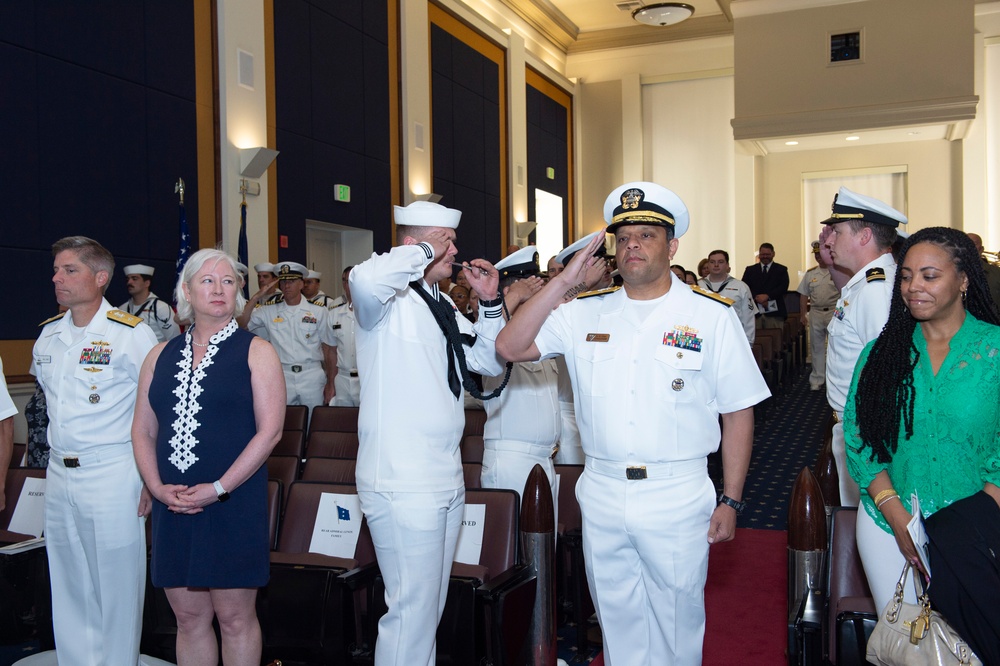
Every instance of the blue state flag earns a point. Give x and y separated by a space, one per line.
343 514
184 245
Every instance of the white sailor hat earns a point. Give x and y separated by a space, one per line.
427 214
567 252
522 263
314 275
645 203
849 205
138 269
264 267
289 270
242 269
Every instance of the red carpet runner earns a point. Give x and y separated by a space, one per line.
745 601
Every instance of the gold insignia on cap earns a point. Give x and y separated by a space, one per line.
284 269
632 198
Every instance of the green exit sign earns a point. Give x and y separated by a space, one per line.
342 193
550 173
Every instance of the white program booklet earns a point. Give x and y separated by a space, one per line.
29 513
919 533
337 526
470 538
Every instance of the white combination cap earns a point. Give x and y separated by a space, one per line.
646 203
427 214
567 252
523 262
848 205
290 270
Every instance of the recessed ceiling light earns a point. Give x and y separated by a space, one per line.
913 133
853 138
791 143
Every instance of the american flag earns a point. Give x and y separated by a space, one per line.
184 249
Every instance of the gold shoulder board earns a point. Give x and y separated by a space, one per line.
875 275
123 317
701 291
598 292
52 319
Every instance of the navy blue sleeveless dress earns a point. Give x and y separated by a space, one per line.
226 544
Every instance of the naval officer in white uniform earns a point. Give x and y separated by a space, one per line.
409 471
346 382
87 362
862 231
301 334
157 314
653 366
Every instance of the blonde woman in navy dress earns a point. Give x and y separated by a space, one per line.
210 408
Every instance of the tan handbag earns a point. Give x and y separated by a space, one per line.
915 635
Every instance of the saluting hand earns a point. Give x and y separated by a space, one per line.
439 240
522 290
582 267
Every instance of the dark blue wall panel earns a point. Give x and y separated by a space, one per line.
97 113
547 147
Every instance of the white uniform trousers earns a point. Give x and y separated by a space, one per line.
348 390
415 537
96 548
507 463
304 387
570 449
882 561
645 544
850 493
818 321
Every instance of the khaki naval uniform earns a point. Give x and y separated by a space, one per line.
651 379
157 314
409 471
818 287
861 313
298 333
95 542
347 383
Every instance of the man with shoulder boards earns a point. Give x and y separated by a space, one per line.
87 362
653 365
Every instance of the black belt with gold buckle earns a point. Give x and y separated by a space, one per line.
71 462
354 373
635 473
296 368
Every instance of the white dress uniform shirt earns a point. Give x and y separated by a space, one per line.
570 450
157 314
298 333
347 383
409 472
818 287
522 425
650 380
95 540
861 313
743 304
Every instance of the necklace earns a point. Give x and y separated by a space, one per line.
198 344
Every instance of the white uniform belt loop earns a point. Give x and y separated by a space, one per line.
620 470
105 453
519 447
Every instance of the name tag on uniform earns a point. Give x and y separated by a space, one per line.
598 337
43 359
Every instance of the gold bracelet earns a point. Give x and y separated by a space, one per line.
890 497
882 495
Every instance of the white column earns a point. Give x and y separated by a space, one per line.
415 77
631 129
518 136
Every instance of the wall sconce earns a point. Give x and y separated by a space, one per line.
253 163
524 229
433 198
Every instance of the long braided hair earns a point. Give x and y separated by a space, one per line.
885 393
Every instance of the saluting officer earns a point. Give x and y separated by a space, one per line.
862 231
300 332
144 304
87 361
653 366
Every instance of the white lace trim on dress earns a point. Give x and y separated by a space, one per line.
188 390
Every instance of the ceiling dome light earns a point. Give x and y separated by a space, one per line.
663 13
791 143
852 138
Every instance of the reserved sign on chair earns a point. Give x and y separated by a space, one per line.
29 513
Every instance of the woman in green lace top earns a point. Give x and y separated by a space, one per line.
923 412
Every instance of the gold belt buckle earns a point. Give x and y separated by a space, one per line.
71 462
635 473
296 368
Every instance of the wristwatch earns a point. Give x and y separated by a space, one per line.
738 507
489 304
223 495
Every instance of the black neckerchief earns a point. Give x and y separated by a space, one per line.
708 284
455 340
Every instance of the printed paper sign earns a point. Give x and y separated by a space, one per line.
338 523
29 513
470 538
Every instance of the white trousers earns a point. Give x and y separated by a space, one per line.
645 545
507 465
348 390
818 321
415 537
850 493
305 387
570 449
96 547
882 561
